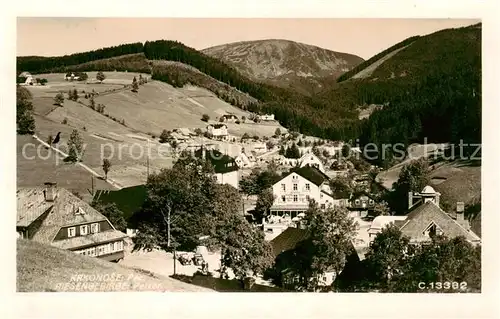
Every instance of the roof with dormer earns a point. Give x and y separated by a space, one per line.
422 216
62 212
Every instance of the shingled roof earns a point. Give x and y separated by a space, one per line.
128 200
288 240
31 205
421 217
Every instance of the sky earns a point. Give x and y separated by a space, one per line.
363 37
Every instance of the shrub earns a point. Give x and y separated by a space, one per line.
65 121
205 118
237 122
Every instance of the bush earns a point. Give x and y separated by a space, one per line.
65 121
237 122
205 118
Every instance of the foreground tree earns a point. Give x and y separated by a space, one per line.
381 209
75 147
164 137
24 111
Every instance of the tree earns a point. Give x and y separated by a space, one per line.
113 214
282 150
198 131
243 118
205 118
412 178
100 76
74 96
277 133
292 152
59 99
341 187
328 245
187 191
270 145
24 111
92 104
141 79
106 166
265 200
135 85
75 147
346 151
381 209
386 258
164 136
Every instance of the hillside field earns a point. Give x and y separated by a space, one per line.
155 107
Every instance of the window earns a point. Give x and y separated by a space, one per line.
295 187
295 198
111 247
283 187
323 206
308 187
84 230
92 251
356 201
283 199
308 197
71 232
94 228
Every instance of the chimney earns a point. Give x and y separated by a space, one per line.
50 191
460 215
410 199
436 198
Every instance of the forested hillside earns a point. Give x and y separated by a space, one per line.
430 88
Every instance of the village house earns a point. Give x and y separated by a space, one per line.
309 159
25 78
229 118
266 117
56 217
225 167
259 147
243 161
217 131
71 77
361 204
426 219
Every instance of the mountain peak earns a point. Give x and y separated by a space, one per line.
283 62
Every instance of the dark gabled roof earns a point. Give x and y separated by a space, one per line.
288 240
222 163
128 200
310 173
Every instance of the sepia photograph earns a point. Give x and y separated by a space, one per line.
248 155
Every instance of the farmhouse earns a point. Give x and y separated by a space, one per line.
58 218
217 131
426 219
225 167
